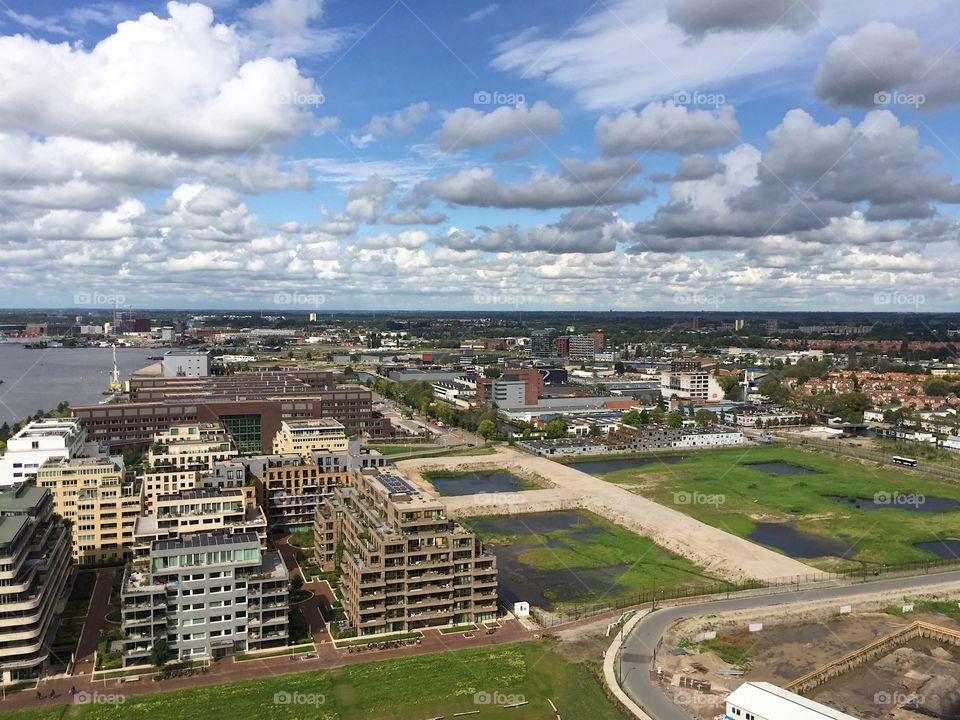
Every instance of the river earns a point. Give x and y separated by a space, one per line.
40 379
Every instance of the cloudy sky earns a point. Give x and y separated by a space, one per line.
420 154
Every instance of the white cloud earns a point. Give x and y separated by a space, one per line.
469 128
667 127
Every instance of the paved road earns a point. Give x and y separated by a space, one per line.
96 620
638 649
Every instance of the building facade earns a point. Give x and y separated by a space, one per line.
301 437
404 565
34 576
210 594
101 502
186 363
39 441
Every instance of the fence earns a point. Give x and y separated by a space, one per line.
571 612
840 449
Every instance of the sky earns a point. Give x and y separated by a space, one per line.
301 155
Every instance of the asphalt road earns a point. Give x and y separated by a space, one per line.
637 653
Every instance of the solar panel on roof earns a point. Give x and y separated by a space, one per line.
396 484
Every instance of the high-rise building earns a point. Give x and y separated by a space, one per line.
35 557
209 591
541 342
404 565
101 502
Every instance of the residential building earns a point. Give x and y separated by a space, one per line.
459 391
39 441
514 387
404 565
101 502
186 363
687 381
210 593
764 701
250 406
180 454
301 437
201 510
34 575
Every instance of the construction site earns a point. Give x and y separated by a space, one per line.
888 656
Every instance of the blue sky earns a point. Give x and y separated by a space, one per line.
630 154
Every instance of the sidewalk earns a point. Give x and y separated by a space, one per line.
95 621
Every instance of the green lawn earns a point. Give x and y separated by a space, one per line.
605 558
749 495
427 686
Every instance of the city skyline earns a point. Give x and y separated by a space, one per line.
299 155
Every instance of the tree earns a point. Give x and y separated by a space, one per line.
492 372
296 582
160 652
675 419
705 418
556 428
619 368
631 417
485 429
595 431
772 388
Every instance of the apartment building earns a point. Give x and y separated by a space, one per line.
404 565
515 387
289 487
200 510
34 575
686 381
180 454
301 437
101 502
39 441
210 594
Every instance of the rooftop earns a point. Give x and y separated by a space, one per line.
769 701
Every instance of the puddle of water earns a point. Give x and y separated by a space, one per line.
945 549
601 467
544 588
780 468
796 543
493 482
892 501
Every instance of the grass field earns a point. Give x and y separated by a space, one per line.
576 556
391 449
748 495
428 686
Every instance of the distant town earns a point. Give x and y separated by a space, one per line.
344 489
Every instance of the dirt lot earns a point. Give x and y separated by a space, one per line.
797 641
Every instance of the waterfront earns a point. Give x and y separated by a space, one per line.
40 379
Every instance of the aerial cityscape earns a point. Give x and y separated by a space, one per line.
419 360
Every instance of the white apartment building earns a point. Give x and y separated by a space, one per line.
41 440
695 385
179 455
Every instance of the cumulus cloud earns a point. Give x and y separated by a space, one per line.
469 128
172 84
401 122
699 17
479 187
667 127
866 69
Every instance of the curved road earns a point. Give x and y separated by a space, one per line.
638 649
